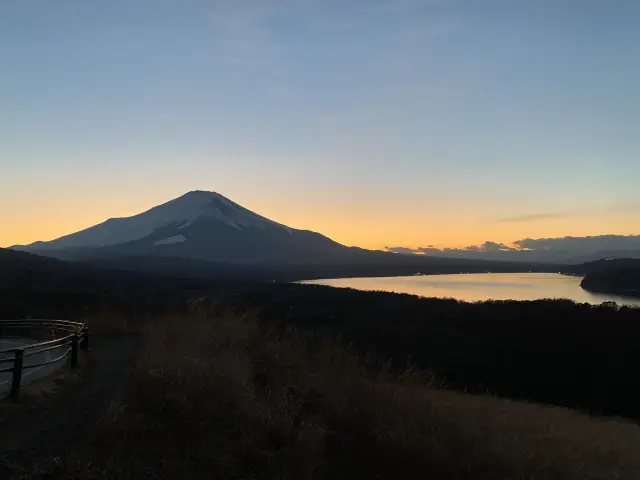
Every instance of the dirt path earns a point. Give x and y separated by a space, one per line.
42 427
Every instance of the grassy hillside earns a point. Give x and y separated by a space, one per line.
242 395
551 351
222 396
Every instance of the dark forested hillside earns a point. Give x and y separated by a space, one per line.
619 276
548 351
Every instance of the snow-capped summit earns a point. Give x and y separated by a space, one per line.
197 204
198 224
181 213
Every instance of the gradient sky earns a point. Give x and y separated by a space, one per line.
377 122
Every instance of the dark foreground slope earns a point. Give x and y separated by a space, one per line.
59 418
250 401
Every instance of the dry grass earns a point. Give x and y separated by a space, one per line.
221 397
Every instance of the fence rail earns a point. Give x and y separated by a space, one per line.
73 335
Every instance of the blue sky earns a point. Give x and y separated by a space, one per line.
376 122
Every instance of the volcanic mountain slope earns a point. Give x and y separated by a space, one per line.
179 235
202 225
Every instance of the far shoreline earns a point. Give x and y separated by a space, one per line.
620 300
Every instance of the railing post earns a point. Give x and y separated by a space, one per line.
17 374
85 339
74 350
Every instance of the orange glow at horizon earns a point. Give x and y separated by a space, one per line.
352 225
395 133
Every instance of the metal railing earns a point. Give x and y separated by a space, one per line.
72 335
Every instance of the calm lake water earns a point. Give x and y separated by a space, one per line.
482 286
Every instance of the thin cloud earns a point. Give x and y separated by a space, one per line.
496 247
403 250
533 218
249 30
582 244
625 207
240 27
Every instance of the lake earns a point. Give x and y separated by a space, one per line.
482 286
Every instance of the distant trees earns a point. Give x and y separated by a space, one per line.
621 277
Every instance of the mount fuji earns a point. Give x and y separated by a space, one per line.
198 225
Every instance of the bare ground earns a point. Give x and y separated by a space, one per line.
53 413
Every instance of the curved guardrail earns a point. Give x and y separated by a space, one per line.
62 333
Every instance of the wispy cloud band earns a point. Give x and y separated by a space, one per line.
533 217
543 249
